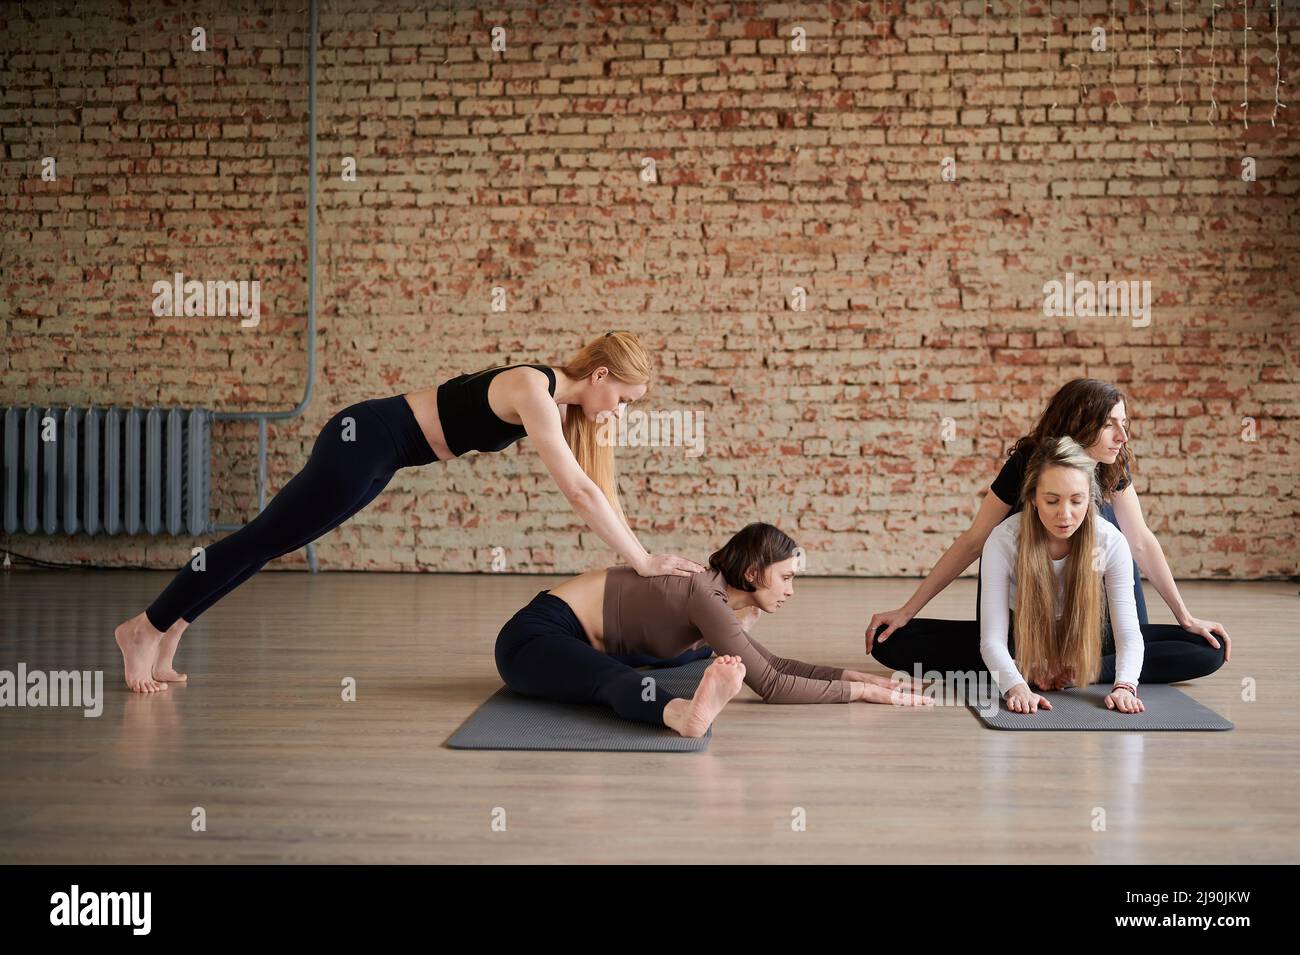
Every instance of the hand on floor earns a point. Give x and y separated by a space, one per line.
1124 701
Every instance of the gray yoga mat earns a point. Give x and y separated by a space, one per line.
509 720
1084 708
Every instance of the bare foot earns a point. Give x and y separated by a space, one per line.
139 642
163 671
720 683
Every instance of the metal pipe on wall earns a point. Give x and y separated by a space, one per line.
263 416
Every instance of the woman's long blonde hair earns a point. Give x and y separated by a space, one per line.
1043 646
627 360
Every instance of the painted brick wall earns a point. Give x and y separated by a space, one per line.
776 168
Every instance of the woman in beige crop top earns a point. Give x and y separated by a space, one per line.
565 644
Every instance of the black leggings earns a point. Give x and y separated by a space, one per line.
355 455
1171 655
543 651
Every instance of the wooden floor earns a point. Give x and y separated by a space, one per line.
287 772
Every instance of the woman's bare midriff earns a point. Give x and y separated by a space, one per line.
424 405
586 595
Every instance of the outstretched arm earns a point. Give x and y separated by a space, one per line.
750 615
1150 557
541 418
717 624
792 667
963 552
995 615
709 613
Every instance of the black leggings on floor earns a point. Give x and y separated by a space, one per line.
543 651
354 457
1171 654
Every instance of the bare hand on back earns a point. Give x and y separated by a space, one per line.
668 565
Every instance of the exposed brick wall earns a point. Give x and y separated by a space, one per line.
776 169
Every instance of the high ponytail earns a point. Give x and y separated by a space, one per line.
627 360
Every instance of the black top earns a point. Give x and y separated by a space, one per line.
1007 484
468 422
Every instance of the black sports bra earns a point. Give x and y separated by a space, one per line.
468 421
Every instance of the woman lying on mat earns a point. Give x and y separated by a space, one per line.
1093 413
1058 563
567 643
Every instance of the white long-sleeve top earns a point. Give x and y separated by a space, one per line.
998 597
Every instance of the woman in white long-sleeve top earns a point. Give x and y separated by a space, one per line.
1095 414
1052 575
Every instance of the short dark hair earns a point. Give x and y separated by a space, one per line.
755 545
